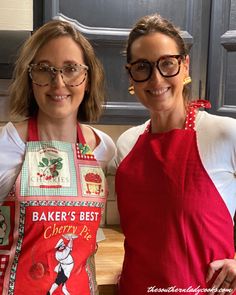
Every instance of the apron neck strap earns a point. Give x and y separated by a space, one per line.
192 110
32 129
34 136
80 136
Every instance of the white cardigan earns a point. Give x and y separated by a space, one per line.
216 139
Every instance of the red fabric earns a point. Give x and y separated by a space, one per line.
174 220
33 129
67 210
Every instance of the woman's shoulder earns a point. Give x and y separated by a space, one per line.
130 136
10 138
203 115
11 157
105 149
127 140
218 126
22 130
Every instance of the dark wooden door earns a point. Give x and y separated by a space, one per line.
107 23
221 79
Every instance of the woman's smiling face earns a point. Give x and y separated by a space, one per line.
57 100
159 94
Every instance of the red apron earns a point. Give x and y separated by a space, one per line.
50 220
174 220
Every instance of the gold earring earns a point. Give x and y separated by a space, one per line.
131 90
187 80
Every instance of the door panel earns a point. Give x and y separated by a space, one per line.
221 85
107 23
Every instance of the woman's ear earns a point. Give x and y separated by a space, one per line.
131 82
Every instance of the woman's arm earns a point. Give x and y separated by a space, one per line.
11 158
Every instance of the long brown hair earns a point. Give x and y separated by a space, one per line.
22 101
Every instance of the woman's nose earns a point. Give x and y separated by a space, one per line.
156 75
57 79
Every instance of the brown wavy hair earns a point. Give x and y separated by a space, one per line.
22 101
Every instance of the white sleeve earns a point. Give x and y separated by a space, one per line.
12 151
127 140
216 137
106 149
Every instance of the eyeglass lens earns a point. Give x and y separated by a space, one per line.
168 67
72 75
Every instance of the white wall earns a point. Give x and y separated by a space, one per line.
16 15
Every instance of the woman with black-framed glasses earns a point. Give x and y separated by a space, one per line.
175 181
52 184
167 65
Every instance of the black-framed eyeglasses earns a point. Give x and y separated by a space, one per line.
167 65
72 74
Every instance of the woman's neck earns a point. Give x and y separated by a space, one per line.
64 129
168 120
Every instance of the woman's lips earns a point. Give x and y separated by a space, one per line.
59 97
158 91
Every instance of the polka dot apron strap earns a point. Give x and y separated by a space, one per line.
192 112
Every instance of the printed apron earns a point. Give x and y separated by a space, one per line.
174 220
50 219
